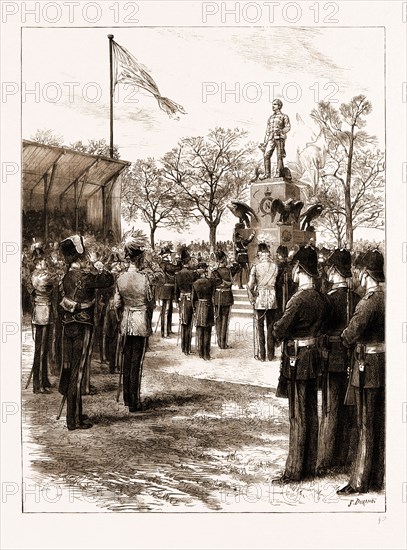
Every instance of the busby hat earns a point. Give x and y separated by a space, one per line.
134 243
185 256
263 247
220 256
73 246
373 262
341 260
307 258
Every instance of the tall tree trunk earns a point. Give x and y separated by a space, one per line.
348 203
212 236
152 236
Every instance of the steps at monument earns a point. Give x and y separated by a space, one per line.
242 307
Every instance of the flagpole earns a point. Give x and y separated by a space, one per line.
110 37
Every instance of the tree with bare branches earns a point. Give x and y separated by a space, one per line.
209 172
352 189
155 200
47 137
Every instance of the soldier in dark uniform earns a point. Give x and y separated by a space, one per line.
241 255
223 299
184 280
132 297
77 311
366 330
167 290
337 419
262 294
285 288
202 301
299 329
43 281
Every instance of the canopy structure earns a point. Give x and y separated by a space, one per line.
75 183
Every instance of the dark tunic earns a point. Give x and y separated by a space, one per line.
337 429
367 330
302 320
77 314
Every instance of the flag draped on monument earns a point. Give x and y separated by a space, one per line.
127 70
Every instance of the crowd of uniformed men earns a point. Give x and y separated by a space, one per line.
325 308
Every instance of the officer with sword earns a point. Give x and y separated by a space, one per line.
366 331
78 290
299 329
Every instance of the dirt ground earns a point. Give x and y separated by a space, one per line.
212 437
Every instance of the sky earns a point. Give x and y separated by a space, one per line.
221 76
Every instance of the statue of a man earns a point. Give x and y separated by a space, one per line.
278 126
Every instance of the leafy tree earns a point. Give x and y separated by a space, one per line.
145 193
353 181
209 172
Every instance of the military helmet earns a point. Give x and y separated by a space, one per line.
220 256
341 260
73 246
185 256
306 258
134 243
373 262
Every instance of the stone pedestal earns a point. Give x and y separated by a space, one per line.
268 226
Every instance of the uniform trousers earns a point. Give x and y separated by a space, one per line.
134 350
302 452
77 338
268 316
203 337
222 324
166 317
40 364
337 424
368 466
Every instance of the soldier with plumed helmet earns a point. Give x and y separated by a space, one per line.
77 315
299 328
43 280
132 297
366 331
